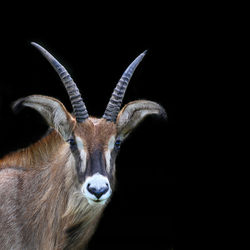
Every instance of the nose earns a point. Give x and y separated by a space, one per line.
98 192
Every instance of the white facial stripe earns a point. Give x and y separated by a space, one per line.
111 144
108 157
79 143
83 154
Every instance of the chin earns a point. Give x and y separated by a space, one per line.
97 202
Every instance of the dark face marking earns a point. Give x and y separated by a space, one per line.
95 138
96 163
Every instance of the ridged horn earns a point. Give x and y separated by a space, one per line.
77 103
115 101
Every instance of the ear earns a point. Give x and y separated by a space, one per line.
133 113
52 110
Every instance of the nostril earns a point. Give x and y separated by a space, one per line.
98 192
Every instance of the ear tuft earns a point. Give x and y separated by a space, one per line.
17 106
134 113
163 113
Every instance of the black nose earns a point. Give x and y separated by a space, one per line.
98 192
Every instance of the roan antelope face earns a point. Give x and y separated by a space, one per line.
95 148
94 143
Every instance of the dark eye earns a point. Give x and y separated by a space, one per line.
71 142
118 144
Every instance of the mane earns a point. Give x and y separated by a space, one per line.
36 155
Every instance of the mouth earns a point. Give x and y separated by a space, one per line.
96 201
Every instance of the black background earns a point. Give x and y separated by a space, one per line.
147 207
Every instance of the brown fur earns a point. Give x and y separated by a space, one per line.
89 131
41 196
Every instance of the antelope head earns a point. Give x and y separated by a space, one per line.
94 142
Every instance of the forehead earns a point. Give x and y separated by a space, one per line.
95 132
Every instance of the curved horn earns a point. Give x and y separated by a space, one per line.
77 103
115 101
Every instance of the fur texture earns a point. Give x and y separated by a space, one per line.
39 189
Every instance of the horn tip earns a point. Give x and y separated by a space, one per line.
39 47
141 56
34 44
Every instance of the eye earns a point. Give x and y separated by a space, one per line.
118 144
72 142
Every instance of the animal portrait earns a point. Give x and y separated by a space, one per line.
53 192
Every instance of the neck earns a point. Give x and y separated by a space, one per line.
38 155
57 213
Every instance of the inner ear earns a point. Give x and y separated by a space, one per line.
133 113
53 112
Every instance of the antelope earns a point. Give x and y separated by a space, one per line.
53 193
